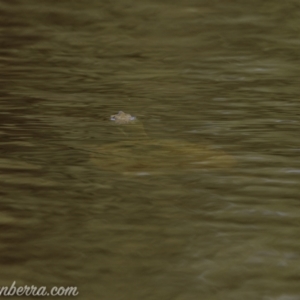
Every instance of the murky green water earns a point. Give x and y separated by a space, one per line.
216 72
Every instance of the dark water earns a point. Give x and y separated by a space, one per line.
226 72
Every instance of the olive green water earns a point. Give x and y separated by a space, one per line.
223 72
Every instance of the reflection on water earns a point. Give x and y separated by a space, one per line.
218 74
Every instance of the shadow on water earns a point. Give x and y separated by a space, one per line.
220 75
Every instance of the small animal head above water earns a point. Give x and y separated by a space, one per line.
122 118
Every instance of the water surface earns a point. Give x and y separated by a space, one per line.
215 72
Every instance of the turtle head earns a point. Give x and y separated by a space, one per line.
122 118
